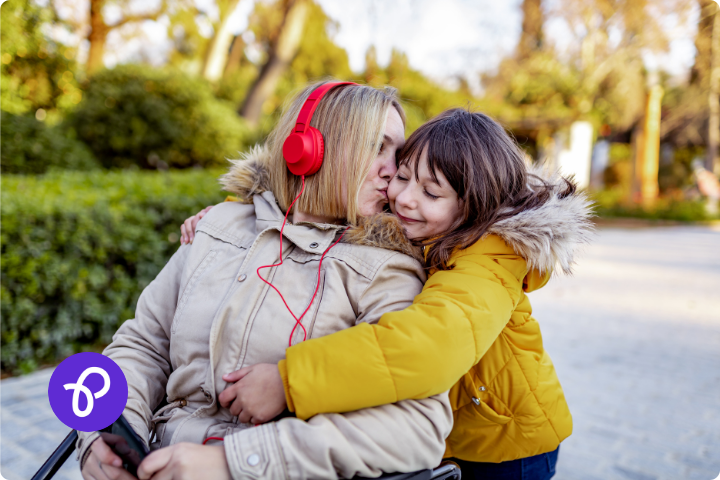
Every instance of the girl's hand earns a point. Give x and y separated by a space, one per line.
185 461
103 464
187 229
258 395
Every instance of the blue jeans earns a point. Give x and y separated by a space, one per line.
538 467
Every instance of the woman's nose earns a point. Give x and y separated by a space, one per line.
388 169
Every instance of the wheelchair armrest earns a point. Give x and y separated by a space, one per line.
419 475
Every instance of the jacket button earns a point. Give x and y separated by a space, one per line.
314 245
482 389
253 460
242 278
475 401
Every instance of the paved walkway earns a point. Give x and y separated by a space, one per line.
635 337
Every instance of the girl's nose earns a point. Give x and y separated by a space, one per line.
406 200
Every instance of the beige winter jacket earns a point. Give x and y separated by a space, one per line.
207 313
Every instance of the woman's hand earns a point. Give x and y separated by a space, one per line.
103 464
187 229
258 395
185 461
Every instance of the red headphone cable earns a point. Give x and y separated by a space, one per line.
317 286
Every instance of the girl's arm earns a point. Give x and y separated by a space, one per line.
420 351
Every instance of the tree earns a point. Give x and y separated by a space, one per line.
532 38
712 158
284 44
217 53
687 109
99 30
36 72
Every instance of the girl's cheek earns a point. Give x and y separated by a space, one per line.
393 191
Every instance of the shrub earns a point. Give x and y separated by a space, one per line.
156 118
30 146
77 250
612 204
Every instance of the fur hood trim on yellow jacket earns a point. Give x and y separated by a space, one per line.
548 237
248 176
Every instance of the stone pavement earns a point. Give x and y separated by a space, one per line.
635 337
29 431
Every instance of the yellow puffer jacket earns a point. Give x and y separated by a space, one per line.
471 328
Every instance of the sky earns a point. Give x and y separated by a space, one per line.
442 38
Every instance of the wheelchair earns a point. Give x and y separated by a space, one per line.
446 471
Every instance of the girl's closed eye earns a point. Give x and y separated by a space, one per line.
425 203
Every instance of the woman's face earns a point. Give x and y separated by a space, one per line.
373 194
426 208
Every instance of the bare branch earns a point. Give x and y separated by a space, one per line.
141 17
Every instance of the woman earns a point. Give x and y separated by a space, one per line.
207 313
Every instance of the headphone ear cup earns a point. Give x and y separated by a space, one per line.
318 150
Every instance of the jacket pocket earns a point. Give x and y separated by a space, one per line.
187 292
479 401
217 430
491 415
313 306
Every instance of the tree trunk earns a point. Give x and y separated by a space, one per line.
712 158
235 56
700 73
531 39
97 37
219 47
281 54
651 152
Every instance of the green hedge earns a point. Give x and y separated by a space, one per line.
612 204
133 115
30 146
77 250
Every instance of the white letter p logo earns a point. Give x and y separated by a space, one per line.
79 387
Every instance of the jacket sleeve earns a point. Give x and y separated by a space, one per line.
402 437
141 348
415 353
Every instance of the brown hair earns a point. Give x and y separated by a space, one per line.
486 168
352 121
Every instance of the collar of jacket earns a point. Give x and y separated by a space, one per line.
248 178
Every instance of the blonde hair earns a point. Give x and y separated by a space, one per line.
352 121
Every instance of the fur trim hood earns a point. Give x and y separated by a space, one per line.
248 176
548 237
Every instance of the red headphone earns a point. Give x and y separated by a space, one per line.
303 151
304 148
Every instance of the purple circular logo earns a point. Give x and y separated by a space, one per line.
88 391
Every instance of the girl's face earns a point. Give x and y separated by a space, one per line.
426 208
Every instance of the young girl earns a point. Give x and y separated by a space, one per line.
492 232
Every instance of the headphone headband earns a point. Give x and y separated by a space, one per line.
308 108
303 150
